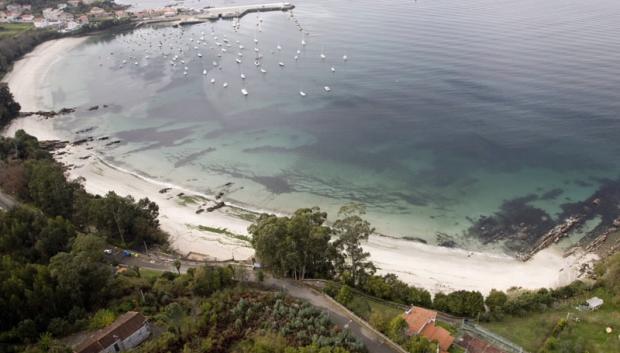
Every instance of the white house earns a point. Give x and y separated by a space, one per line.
594 303
128 331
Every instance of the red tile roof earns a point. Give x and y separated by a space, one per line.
417 318
123 327
439 334
422 322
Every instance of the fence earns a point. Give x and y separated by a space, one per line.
495 339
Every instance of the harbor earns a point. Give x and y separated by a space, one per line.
216 13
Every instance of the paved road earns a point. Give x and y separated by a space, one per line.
6 201
340 317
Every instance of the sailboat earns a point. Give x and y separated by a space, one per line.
212 80
244 91
204 72
243 76
225 84
327 88
302 93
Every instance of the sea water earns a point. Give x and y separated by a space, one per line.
444 109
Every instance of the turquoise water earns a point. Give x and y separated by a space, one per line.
444 109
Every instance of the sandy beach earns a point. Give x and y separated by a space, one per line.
431 267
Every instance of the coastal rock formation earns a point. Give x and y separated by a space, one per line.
525 229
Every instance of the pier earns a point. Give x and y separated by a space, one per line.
216 13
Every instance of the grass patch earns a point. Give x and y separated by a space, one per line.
225 232
8 30
364 307
190 199
453 330
148 273
585 328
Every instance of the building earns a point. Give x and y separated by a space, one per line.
422 321
128 331
97 12
74 3
26 18
594 303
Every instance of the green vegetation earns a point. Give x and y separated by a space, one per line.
9 109
13 29
206 311
548 321
225 232
53 270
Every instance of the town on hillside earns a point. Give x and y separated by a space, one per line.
72 15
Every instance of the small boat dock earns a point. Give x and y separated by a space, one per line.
217 13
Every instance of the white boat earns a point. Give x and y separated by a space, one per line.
345 58
255 40
333 69
281 64
303 42
263 71
199 55
238 61
215 63
204 72
212 80
256 50
302 93
279 47
327 88
243 76
225 84
185 73
241 47
296 57
298 51
244 91
322 56
185 68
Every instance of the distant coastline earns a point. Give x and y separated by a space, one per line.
432 267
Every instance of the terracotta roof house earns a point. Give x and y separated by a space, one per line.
422 322
128 331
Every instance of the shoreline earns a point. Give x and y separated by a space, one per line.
431 267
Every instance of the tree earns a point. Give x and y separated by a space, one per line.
345 296
82 277
397 329
49 189
296 246
177 265
124 220
9 108
351 232
496 300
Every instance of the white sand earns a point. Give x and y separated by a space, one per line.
431 267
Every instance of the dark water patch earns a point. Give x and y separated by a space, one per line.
516 222
268 149
552 194
275 184
582 183
604 203
415 200
158 134
192 157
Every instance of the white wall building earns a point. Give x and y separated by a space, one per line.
128 331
